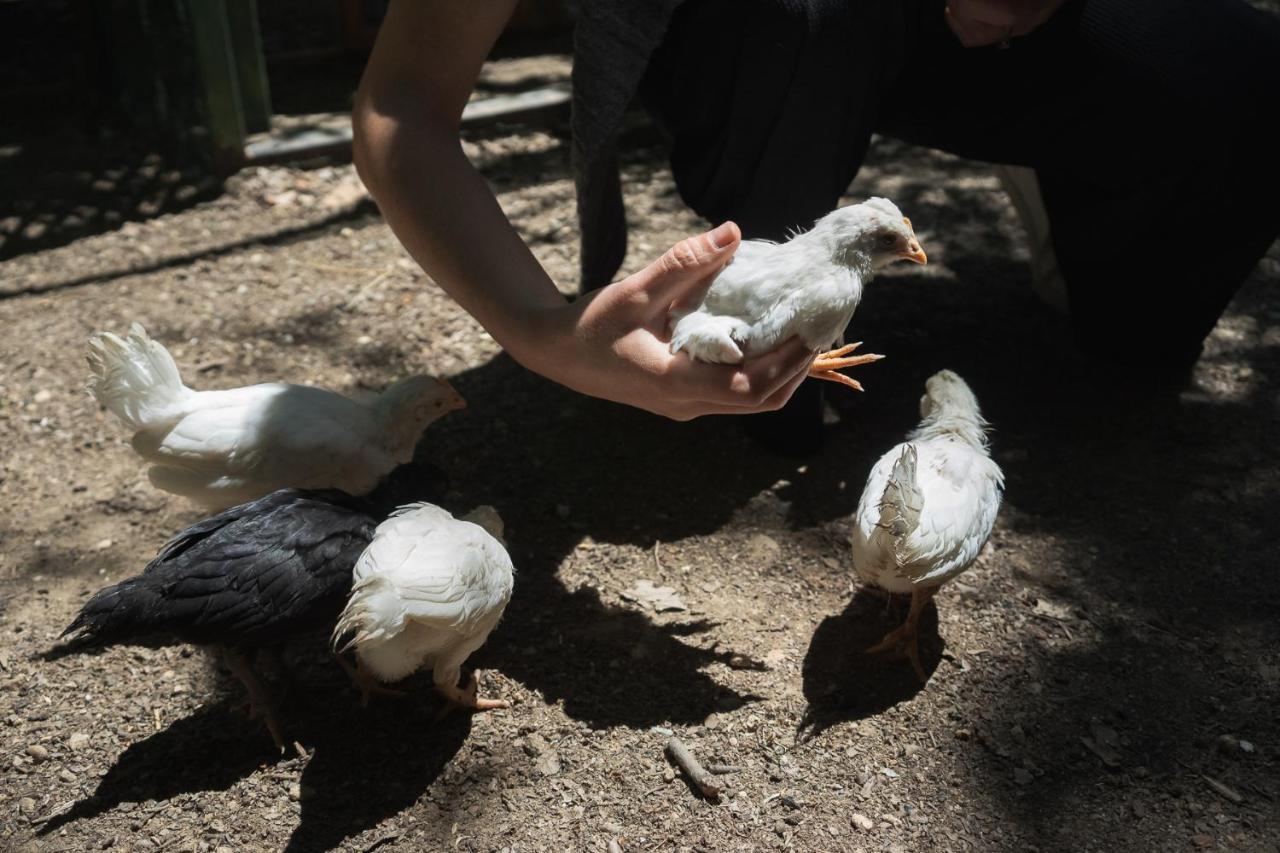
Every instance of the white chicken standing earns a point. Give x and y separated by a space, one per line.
223 448
808 286
427 592
928 507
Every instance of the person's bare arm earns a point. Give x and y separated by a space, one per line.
609 344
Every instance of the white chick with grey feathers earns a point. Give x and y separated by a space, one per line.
809 286
929 506
223 448
426 593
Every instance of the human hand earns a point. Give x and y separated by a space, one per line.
613 343
978 23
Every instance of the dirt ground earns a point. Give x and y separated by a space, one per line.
1105 678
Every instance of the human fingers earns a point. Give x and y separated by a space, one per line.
744 386
689 266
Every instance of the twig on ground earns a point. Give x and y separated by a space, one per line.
722 769
1227 793
685 760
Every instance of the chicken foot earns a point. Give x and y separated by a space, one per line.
365 681
465 697
826 365
905 639
260 702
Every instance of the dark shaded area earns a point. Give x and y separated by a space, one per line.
209 750
842 683
371 763
356 774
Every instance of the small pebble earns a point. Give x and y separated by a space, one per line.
66 775
78 741
38 752
26 805
862 822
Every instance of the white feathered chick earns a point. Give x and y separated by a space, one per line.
223 448
928 506
808 286
427 592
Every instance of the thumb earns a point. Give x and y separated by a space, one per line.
691 264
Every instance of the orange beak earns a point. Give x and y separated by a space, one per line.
914 253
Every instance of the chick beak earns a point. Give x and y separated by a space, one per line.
914 253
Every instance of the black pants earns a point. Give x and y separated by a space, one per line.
1142 118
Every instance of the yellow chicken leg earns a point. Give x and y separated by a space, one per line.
905 639
826 365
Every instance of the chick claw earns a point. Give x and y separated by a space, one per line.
465 697
826 365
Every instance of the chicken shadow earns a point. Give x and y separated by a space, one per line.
369 763
568 468
209 750
353 778
843 683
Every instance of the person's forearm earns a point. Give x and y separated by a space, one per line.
444 213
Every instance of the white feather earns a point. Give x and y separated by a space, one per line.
809 286
222 448
930 503
426 593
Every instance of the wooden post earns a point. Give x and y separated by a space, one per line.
251 66
216 60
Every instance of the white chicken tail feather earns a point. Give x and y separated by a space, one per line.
136 378
373 612
902 501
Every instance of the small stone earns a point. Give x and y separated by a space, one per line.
78 741
295 791
535 744
910 750
1204 842
102 544
862 822
712 721
26 805
44 395
549 763
66 775
38 752
963 734
668 775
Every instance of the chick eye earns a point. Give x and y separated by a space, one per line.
887 240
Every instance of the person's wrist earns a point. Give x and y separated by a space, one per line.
543 338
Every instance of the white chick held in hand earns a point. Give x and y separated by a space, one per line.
223 448
426 593
808 286
928 507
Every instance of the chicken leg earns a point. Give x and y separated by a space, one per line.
365 682
260 703
826 365
465 697
905 639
